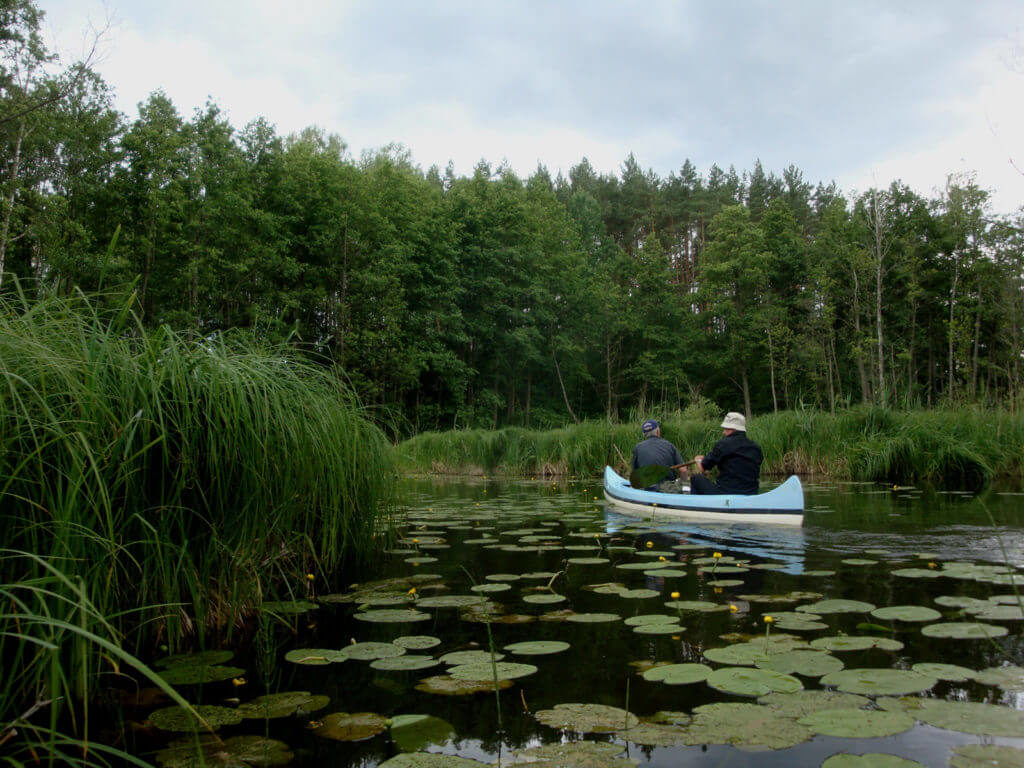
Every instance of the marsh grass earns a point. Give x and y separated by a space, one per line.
964 447
174 481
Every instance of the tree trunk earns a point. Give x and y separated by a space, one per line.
974 354
5 227
561 384
865 391
771 369
878 327
952 305
746 393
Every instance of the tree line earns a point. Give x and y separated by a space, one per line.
485 299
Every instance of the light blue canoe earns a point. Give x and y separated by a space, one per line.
783 505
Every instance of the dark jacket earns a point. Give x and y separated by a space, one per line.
656 450
739 463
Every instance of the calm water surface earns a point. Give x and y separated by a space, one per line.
456 522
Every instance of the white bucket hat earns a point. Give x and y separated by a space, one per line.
734 420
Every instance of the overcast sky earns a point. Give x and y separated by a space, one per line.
860 92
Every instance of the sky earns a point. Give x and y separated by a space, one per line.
859 92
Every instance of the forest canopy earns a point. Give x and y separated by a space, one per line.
490 299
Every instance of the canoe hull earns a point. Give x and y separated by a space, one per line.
780 506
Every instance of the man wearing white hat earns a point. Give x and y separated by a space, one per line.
737 457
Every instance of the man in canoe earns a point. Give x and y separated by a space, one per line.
654 449
737 457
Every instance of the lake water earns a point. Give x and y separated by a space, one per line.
901 548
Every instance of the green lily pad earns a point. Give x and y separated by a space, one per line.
700 606
669 717
641 566
800 662
587 718
538 575
916 573
606 588
906 613
986 756
656 735
638 594
415 732
317 657
574 754
446 685
393 616
491 587
747 654
999 613
191 674
429 760
544 599
417 642
724 569
963 630
356 726
870 760
592 618
678 674
823 607
950 672
855 643
650 618
963 716
859 561
450 601
420 560
819 574
408 663
502 577
748 726
200 659
748 681
659 629
180 719
805 702
537 647
960 601
857 723
722 583
371 651
587 560
502 670
289 607
208 751
1008 678
879 682
285 704
470 657
665 573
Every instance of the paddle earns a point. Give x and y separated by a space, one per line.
652 473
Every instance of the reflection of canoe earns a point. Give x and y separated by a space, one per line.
783 505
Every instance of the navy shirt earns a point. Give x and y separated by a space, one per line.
739 463
656 450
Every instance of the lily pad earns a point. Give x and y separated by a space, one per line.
469 657
587 718
1008 678
286 704
950 672
963 630
208 751
916 573
857 723
870 760
800 662
450 601
986 756
724 583
393 616
356 726
638 594
491 587
502 577
415 732
859 561
823 607
574 754
289 607
805 702
544 599
316 657
819 574
180 719
408 663
748 726
656 735
650 618
606 588
641 566
1000 613
537 647
659 629
963 716
855 643
446 685
587 560
700 606
417 642
429 760
592 618
879 682
191 674
665 573
201 659
371 651
502 670
678 674
748 681
906 613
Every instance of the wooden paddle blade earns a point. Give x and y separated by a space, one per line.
649 475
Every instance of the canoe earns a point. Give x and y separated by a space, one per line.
783 505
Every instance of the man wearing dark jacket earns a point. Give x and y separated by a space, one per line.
654 449
738 460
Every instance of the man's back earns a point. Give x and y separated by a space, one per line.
739 463
656 450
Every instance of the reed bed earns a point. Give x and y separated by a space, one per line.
963 447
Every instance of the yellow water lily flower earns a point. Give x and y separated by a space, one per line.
768 619
238 681
674 595
415 541
411 591
732 608
717 555
310 577
650 544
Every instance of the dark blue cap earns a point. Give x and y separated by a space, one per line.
649 426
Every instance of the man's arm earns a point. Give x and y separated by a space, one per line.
636 462
712 459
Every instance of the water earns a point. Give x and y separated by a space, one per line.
843 521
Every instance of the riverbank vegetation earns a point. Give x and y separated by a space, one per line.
966 447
